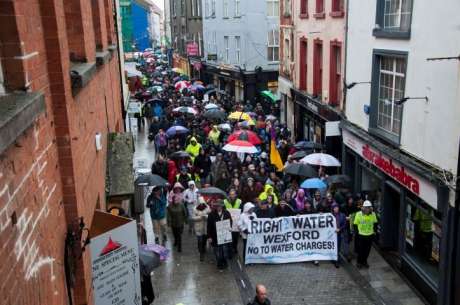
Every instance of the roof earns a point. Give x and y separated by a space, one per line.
119 176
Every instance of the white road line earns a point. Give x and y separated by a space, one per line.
243 284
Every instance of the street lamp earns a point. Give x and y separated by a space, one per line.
351 85
405 99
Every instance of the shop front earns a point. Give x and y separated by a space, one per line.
195 67
286 109
316 122
408 204
181 63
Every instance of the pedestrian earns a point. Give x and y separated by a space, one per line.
184 176
200 219
261 296
193 148
300 200
268 190
233 202
364 222
219 213
244 223
341 229
191 200
161 142
177 218
156 202
284 209
264 210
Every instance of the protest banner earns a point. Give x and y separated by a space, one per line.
235 213
292 239
224 232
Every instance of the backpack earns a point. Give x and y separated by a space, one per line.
161 140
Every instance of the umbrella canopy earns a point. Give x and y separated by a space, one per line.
178 70
212 191
270 118
238 115
215 114
186 99
248 123
198 82
313 183
225 126
338 179
321 159
211 106
189 110
299 154
176 130
197 87
180 85
245 135
179 155
308 145
300 169
156 88
148 261
240 147
151 180
268 94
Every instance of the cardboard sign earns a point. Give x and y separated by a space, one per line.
235 217
224 232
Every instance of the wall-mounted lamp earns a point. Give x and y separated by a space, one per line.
351 85
405 99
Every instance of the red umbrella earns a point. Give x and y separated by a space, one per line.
241 147
245 135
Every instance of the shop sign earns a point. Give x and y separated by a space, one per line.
212 56
192 49
411 181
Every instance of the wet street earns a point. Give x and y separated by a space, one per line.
184 279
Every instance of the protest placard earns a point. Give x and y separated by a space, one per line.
292 239
235 213
224 232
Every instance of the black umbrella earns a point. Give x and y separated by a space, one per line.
215 114
151 179
148 260
338 179
179 154
186 99
301 169
308 145
212 191
299 154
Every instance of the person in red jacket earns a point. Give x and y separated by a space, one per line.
172 172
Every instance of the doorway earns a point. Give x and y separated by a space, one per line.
390 217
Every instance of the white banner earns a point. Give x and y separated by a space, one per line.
292 239
115 262
224 232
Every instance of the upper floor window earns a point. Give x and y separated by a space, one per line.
237 8
273 45
304 8
192 4
206 8
227 49
213 8
214 41
237 49
393 18
273 8
225 8
174 8
388 82
337 9
287 8
319 6
182 7
198 7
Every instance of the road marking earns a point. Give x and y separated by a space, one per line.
243 284
239 264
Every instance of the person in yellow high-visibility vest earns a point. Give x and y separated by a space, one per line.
233 202
364 223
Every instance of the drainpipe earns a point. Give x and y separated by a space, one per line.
344 103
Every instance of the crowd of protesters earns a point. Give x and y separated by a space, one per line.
191 157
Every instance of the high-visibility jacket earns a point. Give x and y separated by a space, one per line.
235 205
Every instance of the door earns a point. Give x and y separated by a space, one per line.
390 217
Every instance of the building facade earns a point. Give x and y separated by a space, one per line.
60 98
167 23
187 35
401 136
156 25
241 43
142 24
319 41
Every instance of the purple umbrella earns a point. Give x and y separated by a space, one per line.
176 130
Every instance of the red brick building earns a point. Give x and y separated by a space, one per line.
59 91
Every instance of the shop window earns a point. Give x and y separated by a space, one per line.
303 65
423 236
388 82
393 19
303 9
335 70
273 8
273 46
318 68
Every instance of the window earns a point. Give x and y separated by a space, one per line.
391 79
213 8
273 46
287 8
393 18
198 8
273 8
225 8
214 41
318 68
286 50
174 8
206 8
182 7
319 6
337 8
237 8
303 8
335 76
226 49
303 64
200 44
192 4
237 49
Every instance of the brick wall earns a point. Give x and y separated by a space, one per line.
53 174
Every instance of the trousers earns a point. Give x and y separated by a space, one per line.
364 248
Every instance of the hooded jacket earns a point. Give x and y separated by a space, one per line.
193 150
200 219
244 222
268 190
173 197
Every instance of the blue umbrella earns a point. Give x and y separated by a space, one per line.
176 130
313 183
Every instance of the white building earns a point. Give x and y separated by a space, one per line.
156 24
399 147
167 22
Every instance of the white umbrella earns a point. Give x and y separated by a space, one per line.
240 147
225 126
321 160
185 110
211 106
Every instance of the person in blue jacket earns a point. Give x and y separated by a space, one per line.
156 202
341 221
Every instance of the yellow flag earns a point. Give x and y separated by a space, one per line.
275 157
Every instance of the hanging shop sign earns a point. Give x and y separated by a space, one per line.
192 49
406 177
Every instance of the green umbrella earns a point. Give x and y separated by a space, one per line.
268 94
